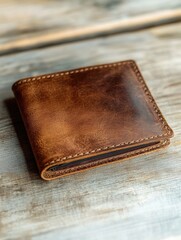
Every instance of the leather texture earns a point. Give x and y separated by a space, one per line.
91 116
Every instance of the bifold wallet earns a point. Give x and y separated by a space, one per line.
89 117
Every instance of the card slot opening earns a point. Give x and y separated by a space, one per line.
110 154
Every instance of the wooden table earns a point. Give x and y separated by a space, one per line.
135 199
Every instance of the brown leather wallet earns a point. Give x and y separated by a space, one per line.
88 117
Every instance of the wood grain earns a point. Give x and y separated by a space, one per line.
136 199
34 41
36 22
23 17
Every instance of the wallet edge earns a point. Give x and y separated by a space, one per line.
103 162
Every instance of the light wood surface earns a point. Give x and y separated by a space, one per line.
32 24
34 41
135 199
24 17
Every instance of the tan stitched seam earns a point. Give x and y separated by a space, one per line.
100 162
84 69
140 79
58 159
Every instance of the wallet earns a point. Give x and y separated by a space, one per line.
88 117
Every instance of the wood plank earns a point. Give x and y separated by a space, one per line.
135 199
20 19
52 38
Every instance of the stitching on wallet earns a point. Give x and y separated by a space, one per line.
84 69
100 162
144 87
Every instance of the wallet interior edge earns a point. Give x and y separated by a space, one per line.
76 165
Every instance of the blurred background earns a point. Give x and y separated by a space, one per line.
137 199
32 24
